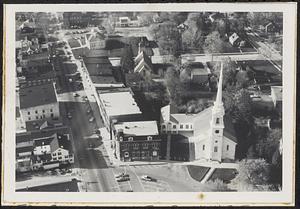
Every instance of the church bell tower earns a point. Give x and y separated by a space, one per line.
217 124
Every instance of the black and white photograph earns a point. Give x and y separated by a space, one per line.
127 100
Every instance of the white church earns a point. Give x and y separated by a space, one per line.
209 133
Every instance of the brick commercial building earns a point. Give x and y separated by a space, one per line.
138 140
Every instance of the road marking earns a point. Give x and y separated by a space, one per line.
136 177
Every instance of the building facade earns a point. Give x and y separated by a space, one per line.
138 140
38 102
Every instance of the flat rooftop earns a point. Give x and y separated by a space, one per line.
119 103
37 95
138 128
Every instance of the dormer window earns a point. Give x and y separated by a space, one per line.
149 138
130 138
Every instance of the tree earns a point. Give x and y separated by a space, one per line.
127 63
213 43
174 86
168 37
253 175
178 17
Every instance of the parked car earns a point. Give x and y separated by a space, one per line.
121 175
148 178
91 119
123 178
69 115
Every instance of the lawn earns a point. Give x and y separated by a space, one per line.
224 174
197 172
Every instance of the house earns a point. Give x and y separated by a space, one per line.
43 149
234 39
75 19
137 140
113 110
209 134
38 102
53 148
95 40
128 22
200 73
276 94
143 64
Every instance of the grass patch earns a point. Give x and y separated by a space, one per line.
197 172
224 174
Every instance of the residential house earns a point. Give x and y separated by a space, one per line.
200 72
137 140
234 39
128 22
209 134
56 148
24 156
95 40
38 102
143 64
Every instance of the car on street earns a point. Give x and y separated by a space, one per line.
121 175
123 178
69 115
89 111
91 119
148 178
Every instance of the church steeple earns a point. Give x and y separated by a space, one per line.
217 124
219 93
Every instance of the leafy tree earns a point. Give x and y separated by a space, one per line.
213 43
178 17
253 175
174 86
242 79
127 62
168 37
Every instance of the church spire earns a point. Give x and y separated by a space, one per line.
219 93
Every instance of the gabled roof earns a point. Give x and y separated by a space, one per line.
143 62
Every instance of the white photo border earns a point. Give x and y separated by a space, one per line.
286 197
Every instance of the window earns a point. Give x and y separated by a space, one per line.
163 126
54 158
218 121
66 156
155 145
59 158
29 118
43 111
59 153
174 126
203 147
181 126
216 141
227 147
186 126
126 154
53 154
28 113
215 149
135 146
121 138
52 115
51 110
36 112
36 117
130 138
149 138
145 146
154 153
217 131
191 126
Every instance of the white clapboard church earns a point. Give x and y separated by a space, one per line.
209 133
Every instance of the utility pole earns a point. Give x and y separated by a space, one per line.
168 129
